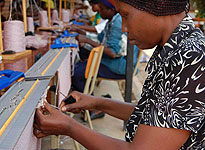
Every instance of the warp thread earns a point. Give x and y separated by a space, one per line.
30 25
14 36
65 15
43 18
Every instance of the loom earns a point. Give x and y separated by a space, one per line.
18 104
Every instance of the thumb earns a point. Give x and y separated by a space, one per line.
48 107
71 107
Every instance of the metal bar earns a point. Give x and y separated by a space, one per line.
129 75
129 72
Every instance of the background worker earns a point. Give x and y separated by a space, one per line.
96 23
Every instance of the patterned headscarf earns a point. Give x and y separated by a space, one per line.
160 7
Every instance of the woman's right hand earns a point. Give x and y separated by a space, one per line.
83 102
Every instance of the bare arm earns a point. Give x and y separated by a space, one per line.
114 108
147 137
89 28
107 51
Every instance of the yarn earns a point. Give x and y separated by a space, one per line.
43 18
35 41
65 15
30 25
14 36
54 15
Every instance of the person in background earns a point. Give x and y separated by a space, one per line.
2 3
97 24
115 43
87 9
44 4
113 63
170 114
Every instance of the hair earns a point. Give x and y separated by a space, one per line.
160 7
94 1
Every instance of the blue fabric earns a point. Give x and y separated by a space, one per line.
7 77
78 80
111 37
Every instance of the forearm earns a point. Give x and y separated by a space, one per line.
120 110
93 140
92 43
107 51
89 28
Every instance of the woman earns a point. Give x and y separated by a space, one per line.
170 114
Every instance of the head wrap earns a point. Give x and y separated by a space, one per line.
160 7
94 1
109 3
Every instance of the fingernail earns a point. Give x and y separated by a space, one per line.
63 108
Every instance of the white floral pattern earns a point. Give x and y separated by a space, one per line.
173 94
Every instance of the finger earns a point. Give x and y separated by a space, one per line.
49 107
76 111
38 115
62 104
71 107
36 127
39 134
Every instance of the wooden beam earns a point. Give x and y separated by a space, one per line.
24 15
49 13
1 39
65 2
60 9
72 7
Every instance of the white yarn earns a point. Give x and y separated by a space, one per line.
30 25
43 18
14 36
54 15
65 15
35 41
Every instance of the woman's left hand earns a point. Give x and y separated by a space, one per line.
50 121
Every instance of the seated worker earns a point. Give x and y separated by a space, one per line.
113 63
2 3
44 4
87 9
170 113
97 23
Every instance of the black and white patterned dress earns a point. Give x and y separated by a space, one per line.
173 94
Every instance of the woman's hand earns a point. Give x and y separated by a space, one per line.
83 102
50 121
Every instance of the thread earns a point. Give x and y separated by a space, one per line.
30 25
54 15
43 18
35 41
14 36
65 15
